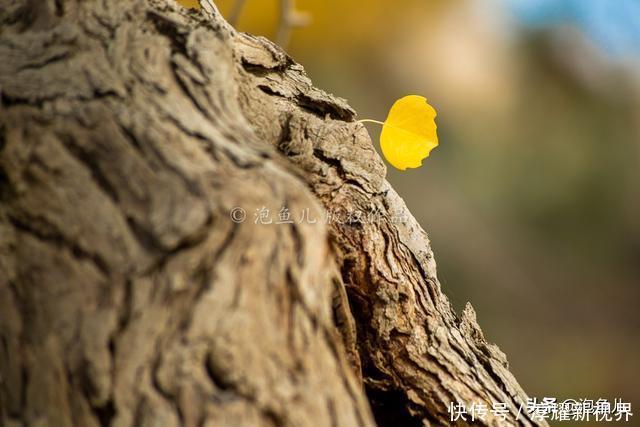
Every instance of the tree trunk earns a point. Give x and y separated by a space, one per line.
134 135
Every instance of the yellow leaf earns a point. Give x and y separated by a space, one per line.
409 133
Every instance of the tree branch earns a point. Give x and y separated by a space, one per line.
289 18
130 296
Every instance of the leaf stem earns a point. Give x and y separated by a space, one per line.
371 121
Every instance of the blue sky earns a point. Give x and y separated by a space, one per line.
613 25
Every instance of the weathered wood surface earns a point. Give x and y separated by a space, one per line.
129 130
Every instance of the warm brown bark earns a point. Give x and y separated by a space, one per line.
128 132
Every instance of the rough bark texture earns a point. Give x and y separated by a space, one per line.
129 130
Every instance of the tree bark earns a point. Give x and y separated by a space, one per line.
129 133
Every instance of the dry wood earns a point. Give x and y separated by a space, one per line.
129 130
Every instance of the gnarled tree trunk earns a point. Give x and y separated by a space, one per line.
134 136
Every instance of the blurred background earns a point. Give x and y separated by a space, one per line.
532 199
